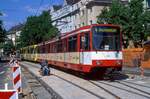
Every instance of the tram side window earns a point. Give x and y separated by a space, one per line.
59 46
38 49
49 49
31 50
35 50
46 48
64 45
28 50
42 49
54 48
85 42
72 44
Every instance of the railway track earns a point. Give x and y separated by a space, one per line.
102 89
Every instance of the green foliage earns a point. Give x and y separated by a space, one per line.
132 18
2 35
2 32
114 15
38 29
8 47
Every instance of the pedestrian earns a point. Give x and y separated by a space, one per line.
140 58
137 62
45 70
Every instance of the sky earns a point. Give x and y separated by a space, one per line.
17 11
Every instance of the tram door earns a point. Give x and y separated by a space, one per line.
65 50
35 53
84 48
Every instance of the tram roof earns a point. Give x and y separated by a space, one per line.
76 32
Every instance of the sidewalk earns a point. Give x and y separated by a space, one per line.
135 70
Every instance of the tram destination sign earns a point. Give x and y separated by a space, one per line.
110 30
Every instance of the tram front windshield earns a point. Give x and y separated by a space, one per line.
106 38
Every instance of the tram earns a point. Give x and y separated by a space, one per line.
97 46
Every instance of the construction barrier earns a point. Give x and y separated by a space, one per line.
146 55
129 56
8 94
17 77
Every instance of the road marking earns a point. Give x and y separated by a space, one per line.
2 72
140 82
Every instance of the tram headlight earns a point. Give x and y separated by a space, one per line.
119 62
98 62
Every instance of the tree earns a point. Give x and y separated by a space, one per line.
38 29
116 14
136 22
146 24
132 18
8 47
2 31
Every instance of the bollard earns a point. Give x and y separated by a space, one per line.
17 77
6 86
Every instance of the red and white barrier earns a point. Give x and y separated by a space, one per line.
8 94
17 79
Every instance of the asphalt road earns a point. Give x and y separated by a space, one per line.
5 76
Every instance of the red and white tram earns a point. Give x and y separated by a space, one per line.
88 48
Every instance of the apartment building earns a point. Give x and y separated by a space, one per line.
14 33
146 4
78 13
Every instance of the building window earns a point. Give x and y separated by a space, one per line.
75 16
91 22
75 27
148 3
81 3
79 25
70 27
90 10
82 12
77 5
83 24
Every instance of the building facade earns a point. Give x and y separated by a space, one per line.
146 4
78 13
14 33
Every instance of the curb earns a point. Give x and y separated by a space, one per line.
129 71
